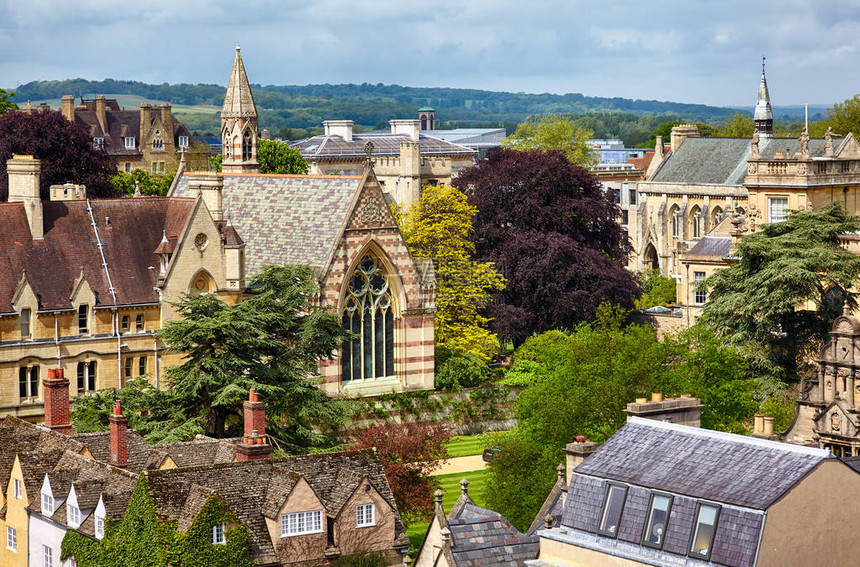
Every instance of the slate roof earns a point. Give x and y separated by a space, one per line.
384 144
54 264
743 475
716 246
121 124
720 161
701 463
285 219
257 489
482 537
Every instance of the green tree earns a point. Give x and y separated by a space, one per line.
844 117
6 105
439 227
581 382
738 126
271 342
278 157
554 132
127 181
657 289
664 129
778 301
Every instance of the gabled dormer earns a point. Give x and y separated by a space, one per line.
74 517
83 300
26 303
99 517
849 148
48 503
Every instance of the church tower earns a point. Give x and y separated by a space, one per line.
239 123
763 113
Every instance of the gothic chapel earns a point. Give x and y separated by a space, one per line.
342 227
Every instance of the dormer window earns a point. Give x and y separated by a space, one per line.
301 523
25 324
73 516
364 516
100 527
18 489
218 537
98 143
613 505
83 319
183 141
129 142
704 530
47 504
658 516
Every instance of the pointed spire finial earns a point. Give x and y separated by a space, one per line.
763 58
238 48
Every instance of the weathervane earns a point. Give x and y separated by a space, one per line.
762 63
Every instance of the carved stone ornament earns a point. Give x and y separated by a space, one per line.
835 422
801 169
371 212
753 168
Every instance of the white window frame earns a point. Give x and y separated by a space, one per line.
183 141
777 209
365 516
73 515
129 143
699 297
100 527
11 539
17 488
301 523
47 504
47 556
219 536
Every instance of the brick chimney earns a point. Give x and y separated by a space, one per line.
68 107
24 175
167 122
118 437
254 445
56 396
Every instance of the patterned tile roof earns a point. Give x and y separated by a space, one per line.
54 264
285 219
701 463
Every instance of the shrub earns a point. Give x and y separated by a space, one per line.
456 369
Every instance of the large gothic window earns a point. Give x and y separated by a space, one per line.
368 312
246 146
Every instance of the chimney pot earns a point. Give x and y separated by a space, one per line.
768 426
641 400
656 396
758 424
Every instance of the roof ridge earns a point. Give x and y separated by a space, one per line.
731 437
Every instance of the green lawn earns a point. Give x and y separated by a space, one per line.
450 484
463 446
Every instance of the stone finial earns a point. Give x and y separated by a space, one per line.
368 150
437 496
846 309
445 533
548 521
559 470
464 487
828 143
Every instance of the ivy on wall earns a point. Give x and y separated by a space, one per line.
145 539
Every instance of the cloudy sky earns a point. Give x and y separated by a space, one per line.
698 51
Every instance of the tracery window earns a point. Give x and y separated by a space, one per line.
368 312
246 146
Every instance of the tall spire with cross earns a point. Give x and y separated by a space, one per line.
763 113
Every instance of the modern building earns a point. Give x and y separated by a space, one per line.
85 285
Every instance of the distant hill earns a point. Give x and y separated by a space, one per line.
303 108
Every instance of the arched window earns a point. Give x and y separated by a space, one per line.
202 283
246 146
227 145
423 121
369 313
673 215
696 222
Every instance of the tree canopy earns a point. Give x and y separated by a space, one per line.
6 105
439 227
843 117
126 182
581 382
553 233
271 342
64 148
278 157
778 301
554 132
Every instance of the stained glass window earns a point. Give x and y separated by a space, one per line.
368 312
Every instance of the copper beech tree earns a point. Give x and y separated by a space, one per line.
553 232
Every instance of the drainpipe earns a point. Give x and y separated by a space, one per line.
687 300
115 324
57 340
155 357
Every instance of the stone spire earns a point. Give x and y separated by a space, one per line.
763 113
239 123
239 102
